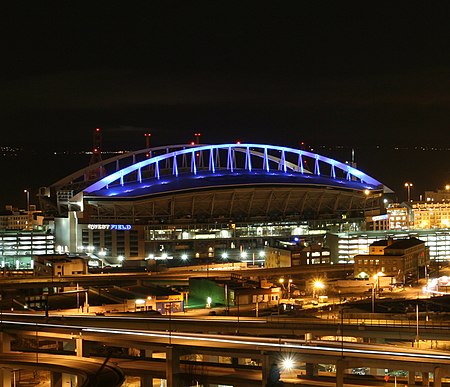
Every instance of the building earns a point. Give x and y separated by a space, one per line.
60 265
208 201
439 195
346 245
18 247
405 260
399 217
430 214
212 293
14 219
289 255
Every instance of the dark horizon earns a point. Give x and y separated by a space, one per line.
322 73
30 169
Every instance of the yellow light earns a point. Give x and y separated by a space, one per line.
318 284
281 280
366 192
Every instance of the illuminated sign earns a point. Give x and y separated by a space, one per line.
379 217
121 227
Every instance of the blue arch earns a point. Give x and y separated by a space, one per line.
207 157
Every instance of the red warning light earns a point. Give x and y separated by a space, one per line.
192 143
238 142
97 129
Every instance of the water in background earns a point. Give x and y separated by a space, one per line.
427 169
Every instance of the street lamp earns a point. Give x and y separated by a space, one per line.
317 285
289 288
408 189
281 281
28 198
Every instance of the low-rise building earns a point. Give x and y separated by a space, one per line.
403 259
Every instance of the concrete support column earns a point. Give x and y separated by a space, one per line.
147 353
173 367
437 377
411 378
265 368
79 346
311 369
56 379
146 381
5 377
340 368
5 342
425 379
5 346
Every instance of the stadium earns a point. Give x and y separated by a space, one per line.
208 201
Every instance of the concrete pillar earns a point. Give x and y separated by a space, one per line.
5 377
79 346
5 342
147 353
55 379
146 381
340 368
173 376
425 379
265 368
437 377
411 378
5 346
311 369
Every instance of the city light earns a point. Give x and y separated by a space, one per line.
184 257
408 186
287 363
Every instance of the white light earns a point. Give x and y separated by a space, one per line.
262 254
287 363
244 254
184 257
120 258
224 255
140 301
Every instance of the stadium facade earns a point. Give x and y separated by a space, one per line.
215 201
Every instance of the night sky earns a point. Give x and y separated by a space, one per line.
332 73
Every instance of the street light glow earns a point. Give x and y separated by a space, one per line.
287 363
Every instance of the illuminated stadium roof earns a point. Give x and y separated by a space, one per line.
244 181
242 164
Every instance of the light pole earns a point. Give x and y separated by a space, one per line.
289 288
28 198
372 284
317 285
408 186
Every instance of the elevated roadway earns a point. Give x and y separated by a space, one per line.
176 345
179 275
89 372
271 326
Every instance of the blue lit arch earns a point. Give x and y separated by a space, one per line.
232 158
